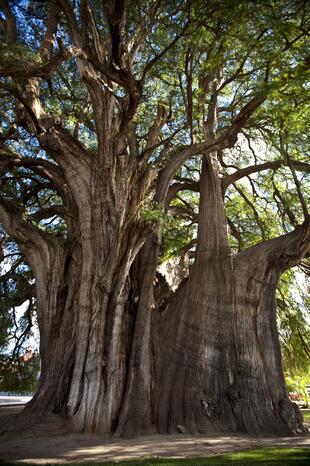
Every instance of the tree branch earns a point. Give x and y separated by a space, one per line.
9 24
55 210
158 56
175 188
283 252
237 175
224 141
40 249
42 167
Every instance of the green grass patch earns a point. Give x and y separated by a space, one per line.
262 457
306 415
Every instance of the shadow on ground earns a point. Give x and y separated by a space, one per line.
29 446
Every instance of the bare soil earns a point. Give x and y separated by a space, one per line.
28 442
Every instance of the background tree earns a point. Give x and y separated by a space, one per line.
18 369
114 116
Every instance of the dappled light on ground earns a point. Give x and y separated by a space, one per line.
89 448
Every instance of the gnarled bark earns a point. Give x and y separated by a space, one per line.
218 346
207 357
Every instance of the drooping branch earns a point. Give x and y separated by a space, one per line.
25 292
18 339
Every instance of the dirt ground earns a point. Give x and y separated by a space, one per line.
31 446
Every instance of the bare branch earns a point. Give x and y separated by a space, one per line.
224 141
157 57
237 175
10 22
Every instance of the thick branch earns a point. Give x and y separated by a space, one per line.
155 130
175 188
47 43
55 210
36 245
115 13
283 252
13 217
42 167
9 24
28 70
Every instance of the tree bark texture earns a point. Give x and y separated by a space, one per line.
116 360
119 355
219 364
83 292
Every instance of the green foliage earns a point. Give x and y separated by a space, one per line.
18 53
176 232
300 384
20 376
17 373
306 416
293 311
154 214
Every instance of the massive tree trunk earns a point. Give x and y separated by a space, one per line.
218 346
219 352
114 360
115 363
82 288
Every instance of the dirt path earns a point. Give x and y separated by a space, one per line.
40 449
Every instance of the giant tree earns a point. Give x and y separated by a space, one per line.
110 111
